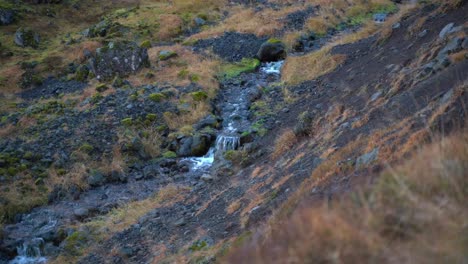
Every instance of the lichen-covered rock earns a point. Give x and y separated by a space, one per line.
118 59
7 16
102 29
25 37
272 50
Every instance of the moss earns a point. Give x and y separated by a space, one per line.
156 97
199 96
274 41
96 98
127 121
230 71
151 117
194 77
146 44
169 155
117 82
75 243
86 148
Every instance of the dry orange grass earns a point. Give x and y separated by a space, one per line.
418 210
284 143
203 68
247 20
310 66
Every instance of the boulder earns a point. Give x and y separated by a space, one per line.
446 30
118 59
25 37
96 179
272 50
7 16
200 145
304 122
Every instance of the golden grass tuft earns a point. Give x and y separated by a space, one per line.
284 143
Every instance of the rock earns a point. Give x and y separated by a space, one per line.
180 222
305 42
453 46
150 171
96 179
443 33
200 145
272 50
118 59
166 55
367 158
81 212
423 33
396 25
25 37
380 17
199 21
375 96
7 16
184 147
126 252
206 177
208 121
102 29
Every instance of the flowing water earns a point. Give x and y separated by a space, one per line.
235 113
30 252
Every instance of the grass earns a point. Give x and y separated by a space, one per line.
409 206
311 66
284 143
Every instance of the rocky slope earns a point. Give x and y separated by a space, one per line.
153 132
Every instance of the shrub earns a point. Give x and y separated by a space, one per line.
284 143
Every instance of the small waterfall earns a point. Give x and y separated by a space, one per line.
225 143
30 252
272 67
202 162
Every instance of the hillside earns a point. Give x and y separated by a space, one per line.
272 131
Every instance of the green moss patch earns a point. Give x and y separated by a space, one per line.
230 71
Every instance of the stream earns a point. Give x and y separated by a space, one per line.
35 235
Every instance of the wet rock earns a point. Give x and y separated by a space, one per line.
367 158
184 147
200 145
272 50
7 16
166 55
118 59
25 37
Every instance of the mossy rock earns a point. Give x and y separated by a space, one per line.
156 97
166 55
26 37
